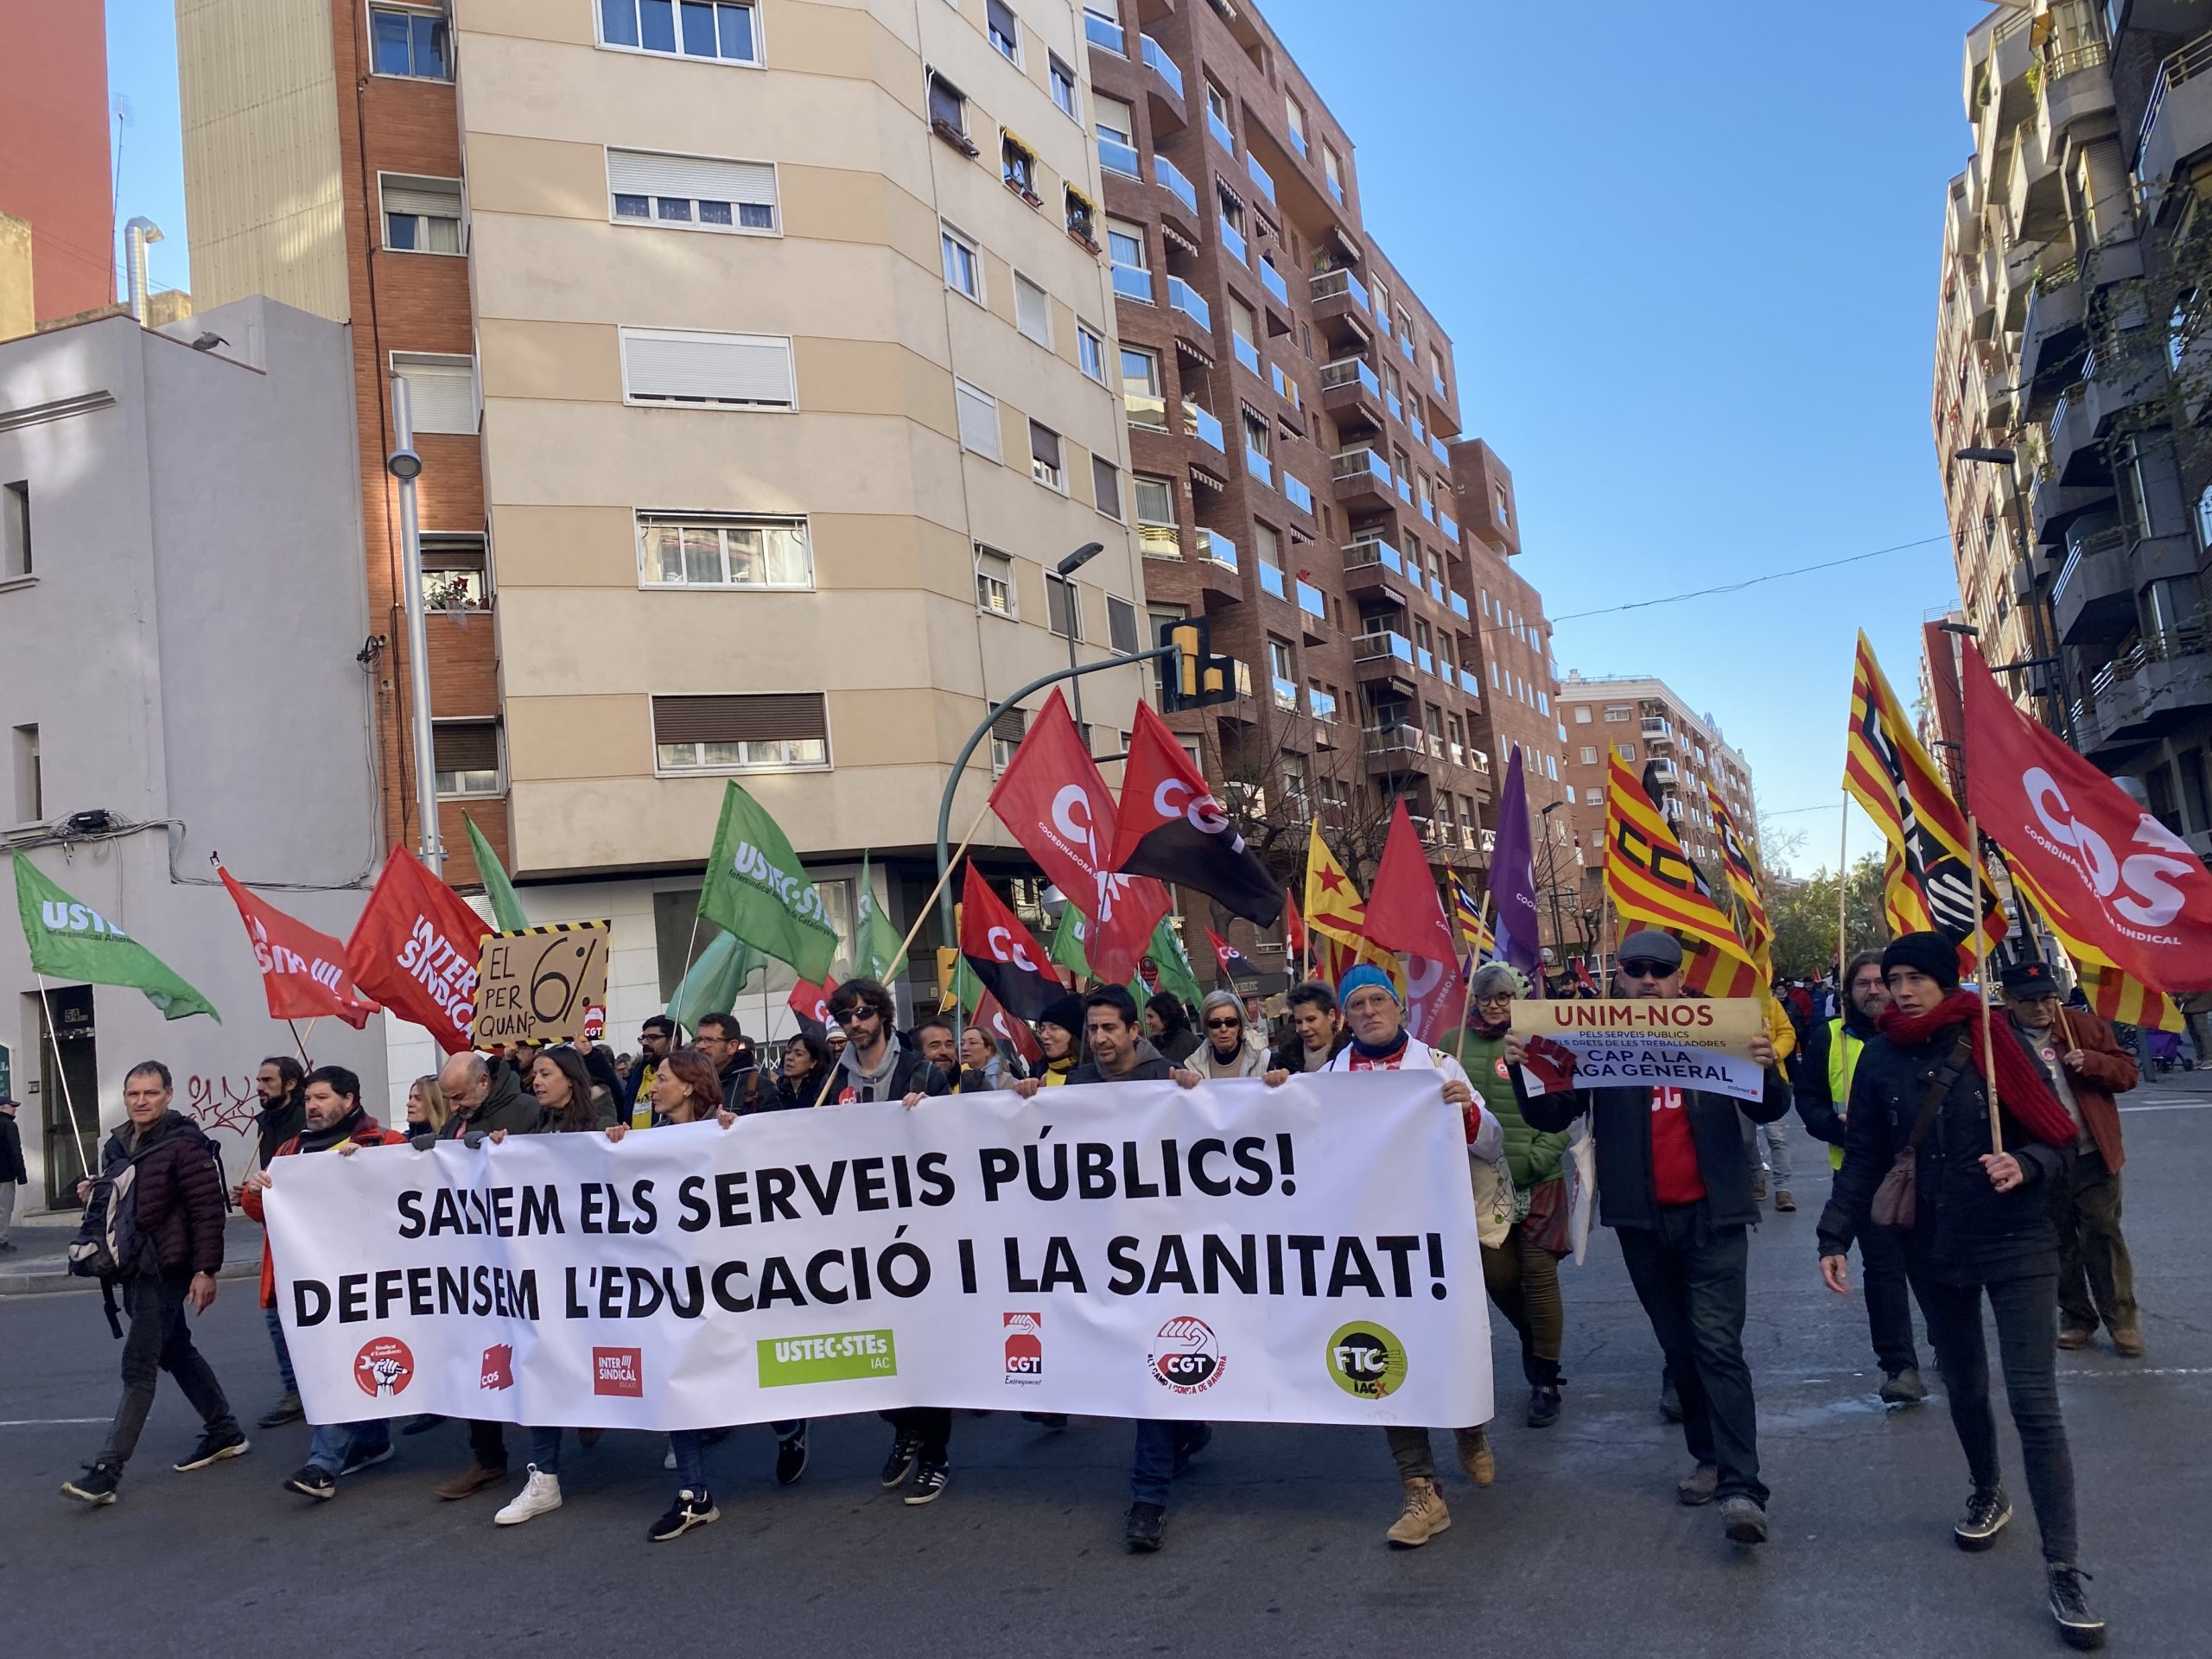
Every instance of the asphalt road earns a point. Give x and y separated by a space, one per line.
1275 1542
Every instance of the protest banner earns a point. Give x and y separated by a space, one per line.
1641 1043
1306 1254
541 985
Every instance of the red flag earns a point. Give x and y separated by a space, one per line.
303 971
1057 806
1293 930
414 950
1172 827
997 1022
811 1002
2108 875
1234 964
1011 965
1404 913
1582 978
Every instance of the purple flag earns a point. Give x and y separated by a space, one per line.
1513 879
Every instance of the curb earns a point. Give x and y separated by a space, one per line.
41 1284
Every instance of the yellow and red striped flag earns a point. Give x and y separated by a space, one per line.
1741 863
1651 881
2115 993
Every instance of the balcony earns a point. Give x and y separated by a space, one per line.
1367 553
2077 87
1385 656
1401 748
1155 57
1133 282
2094 601
1472 683
1104 33
1360 479
1285 388
1353 393
2177 120
1205 426
1295 492
1115 156
1160 541
1271 280
1214 548
1457 601
1145 411
2051 334
1233 239
1311 600
1271 581
1261 176
1245 353
1341 308
1658 731
2073 454
2159 685
1219 129
1170 178
1181 297
1259 466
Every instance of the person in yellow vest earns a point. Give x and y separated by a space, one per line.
1822 1083
1059 1032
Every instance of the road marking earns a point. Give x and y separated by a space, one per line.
2152 1370
50 1422
2173 1106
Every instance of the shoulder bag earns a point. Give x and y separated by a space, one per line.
1897 1200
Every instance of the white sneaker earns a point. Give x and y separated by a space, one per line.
540 1494
669 1462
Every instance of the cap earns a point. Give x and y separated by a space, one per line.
1651 945
2030 978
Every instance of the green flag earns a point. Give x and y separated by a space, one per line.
1174 967
876 953
1066 948
757 889
71 941
506 909
713 983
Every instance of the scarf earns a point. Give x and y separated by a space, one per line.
1487 1032
2022 1088
1396 1045
313 1139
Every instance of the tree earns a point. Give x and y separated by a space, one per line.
1804 917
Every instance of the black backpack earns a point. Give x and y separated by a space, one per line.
108 1246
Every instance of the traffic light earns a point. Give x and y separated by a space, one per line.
1197 679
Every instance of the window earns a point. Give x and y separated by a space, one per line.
964 270
1243 330
1063 605
421 215
1090 352
1616 711
30 784
674 365
1161 619
1019 167
1570 795
1141 384
1626 751
1121 626
1295 117
948 109
979 420
1436 371
454 572
1258 434
703 550
15 531
1217 117
772 732
410 40
441 390
1582 714
1004 28
1159 535
1032 311
994 582
685 28
1543 702
1333 170
1106 486
692 192
1497 500
465 754
1007 733
1102 26
1282 672
1045 457
1063 79
1114 118
1125 247
1083 218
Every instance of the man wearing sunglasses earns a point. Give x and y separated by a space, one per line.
1676 1188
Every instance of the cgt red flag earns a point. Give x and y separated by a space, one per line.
1000 952
303 971
2112 877
1233 963
1294 930
811 1003
414 950
1172 827
997 1022
1404 913
1057 806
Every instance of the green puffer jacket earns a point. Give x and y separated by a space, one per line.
1533 1157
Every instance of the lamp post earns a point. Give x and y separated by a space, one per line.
406 466
2043 629
1065 570
1551 873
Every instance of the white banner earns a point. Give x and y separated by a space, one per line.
1641 1043
1231 1252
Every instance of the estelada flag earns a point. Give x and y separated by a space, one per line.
1651 881
997 1022
1887 772
1741 864
1171 827
302 971
1011 965
1056 806
414 950
2108 876
811 1002
1234 964
1404 913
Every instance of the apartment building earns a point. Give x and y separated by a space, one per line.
1675 751
59 260
763 364
1290 401
2069 333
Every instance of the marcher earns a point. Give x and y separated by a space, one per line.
282 1116
799 1082
983 1068
1318 1036
1256 1025
724 1041
427 1110
1225 1051
1522 1273
178 1208
13 1172
1381 1043
2085 1068
1980 1228
1059 1033
1823 1071
1773 1163
933 1035
332 1119
1674 1186
656 1036
1167 1022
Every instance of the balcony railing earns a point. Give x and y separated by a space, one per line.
1160 541
1378 643
1323 705
1233 239
1286 693
1156 55
1217 548
1428 512
1117 157
1271 581
1405 489
1296 492
1345 370
1285 388
1205 426
1259 466
1219 127
1438 448
1261 176
1403 738
1271 279
1470 683
1450 526
1406 346
1336 190
1171 178
1133 282
1187 300
1311 602
1413 419
2191 61
1246 352
1146 412
1331 284
1390 402
1436 386
1367 550
1104 31
1354 463
1457 601
2065 403
1424 659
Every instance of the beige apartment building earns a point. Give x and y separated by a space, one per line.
764 358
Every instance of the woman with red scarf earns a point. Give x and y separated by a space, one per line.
1980 1229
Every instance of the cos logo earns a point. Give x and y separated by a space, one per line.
1366 1361
1187 1357
2151 900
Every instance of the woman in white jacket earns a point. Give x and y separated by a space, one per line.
1222 1049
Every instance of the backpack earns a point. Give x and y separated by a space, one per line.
108 1246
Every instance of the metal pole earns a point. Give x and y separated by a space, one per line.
1075 687
2045 627
418 662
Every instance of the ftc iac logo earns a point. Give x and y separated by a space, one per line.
1025 1349
384 1367
499 1367
619 1371
1186 1357
1366 1361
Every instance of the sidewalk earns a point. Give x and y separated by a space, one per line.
38 1262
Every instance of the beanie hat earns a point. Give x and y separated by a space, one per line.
1359 978
1931 953
1066 1012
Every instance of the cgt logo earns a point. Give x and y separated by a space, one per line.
1187 1357
498 1369
1004 947
1366 1361
384 1367
620 1372
1025 1348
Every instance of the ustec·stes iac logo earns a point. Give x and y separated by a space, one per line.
1025 1348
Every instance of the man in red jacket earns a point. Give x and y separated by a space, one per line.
2086 1068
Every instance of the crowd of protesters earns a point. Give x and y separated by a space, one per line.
1885 1065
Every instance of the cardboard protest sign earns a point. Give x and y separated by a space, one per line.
1641 1043
541 984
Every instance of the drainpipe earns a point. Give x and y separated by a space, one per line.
136 235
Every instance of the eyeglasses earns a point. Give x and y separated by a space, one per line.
1644 968
848 1016
1495 996
1229 1024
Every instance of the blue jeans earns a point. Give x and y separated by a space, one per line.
545 1450
1158 1445
283 1354
336 1444
690 1446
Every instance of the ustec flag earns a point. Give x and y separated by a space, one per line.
302 971
414 950
1172 827
1011 965
71 941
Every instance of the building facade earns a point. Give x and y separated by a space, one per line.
183 640
54 159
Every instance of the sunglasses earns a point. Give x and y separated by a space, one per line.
1644 968
1229 1024
848 1016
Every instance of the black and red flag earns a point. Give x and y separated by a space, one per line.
811 1002
999 1024
1172 826
1001 952
1233 963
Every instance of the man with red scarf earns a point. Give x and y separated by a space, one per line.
1981 1227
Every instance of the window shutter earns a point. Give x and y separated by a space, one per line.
1044 445
452 551
1032 311
1106 485
708 368
471 747
439 198
441 391
1121 624
641 173
979 420
1010 727
768 718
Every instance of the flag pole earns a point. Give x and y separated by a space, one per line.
86 1149
1982 956
1842 897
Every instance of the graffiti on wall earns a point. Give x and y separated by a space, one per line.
221 1105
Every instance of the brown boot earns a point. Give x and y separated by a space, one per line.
1423 1517
2127 1343
2071 1337
473 1481
1475 1457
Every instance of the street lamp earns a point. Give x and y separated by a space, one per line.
1551 872
1066 568
2045 644
406 466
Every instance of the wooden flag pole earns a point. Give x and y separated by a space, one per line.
1843 898
1982 956
86 1150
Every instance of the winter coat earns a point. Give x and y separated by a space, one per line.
506 1107
911 1074
1830 1055
1291 1056
274 1125
1533 1155
1176 1045
1964 1231
13 1171
2106 1070
1150 1065
369 1133
182 1197
1249 1062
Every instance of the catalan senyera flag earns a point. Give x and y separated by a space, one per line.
1887 772
1337 915
1651 882
2115 992
1742 866
1474 927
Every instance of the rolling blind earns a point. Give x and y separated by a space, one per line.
767 718
663 364
1032 311
1044 445
979 420
1009 727
471 747
439 198
441 391
642 173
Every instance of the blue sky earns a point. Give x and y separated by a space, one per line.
1689 265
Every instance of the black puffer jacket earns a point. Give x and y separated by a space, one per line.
276 1124
506 1107
179 1192
1967 1232
1291 1056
